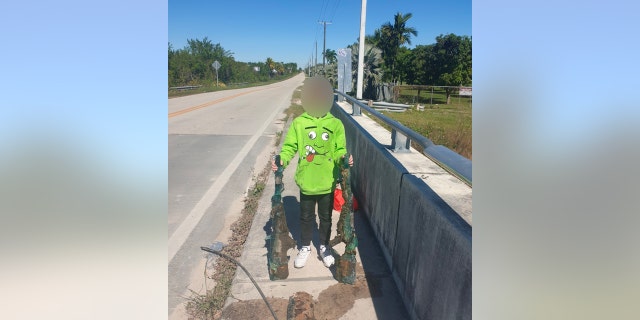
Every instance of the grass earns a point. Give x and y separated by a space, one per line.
295 109
278 138
210 305
447 125
210 87
427 97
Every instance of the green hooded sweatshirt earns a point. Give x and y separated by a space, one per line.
321 144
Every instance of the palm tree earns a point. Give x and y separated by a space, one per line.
392 37
374 39
331 56
332 74
372 69
271 65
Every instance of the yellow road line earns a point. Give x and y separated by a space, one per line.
206 104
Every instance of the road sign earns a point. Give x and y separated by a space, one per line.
216 65
465 91
344 70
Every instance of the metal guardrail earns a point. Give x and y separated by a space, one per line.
184 88
402 136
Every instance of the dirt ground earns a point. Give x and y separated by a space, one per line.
331 304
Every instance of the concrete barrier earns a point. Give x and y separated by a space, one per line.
373 176
427 245
432 257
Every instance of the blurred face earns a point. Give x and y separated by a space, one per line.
317 96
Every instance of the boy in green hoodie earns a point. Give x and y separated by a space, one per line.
319 139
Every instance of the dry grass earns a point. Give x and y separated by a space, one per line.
209 305
295 109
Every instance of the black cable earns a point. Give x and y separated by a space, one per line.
245 271
334 10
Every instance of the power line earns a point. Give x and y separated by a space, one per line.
323 13
335 8
324 4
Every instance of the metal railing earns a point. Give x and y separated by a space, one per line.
184 88
402 136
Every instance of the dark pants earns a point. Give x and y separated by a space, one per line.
308 217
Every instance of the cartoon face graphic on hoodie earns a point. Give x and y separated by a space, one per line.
317 144
321 144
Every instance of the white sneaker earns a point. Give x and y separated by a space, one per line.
326 256
302 257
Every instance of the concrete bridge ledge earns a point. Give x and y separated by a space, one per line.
453 191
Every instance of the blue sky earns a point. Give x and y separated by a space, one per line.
287 30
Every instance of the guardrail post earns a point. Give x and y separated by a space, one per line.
399 142
356 110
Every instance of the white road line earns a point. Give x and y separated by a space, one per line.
183 231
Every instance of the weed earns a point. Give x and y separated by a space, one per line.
259 187
209 305
295 109
278 137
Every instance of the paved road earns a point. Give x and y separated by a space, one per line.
215 140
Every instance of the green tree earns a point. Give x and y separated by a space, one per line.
452 62
271 65
280 68
390 37
331 56
332 74
291 67
181 63
171 54
403 64
192 65
373 39
420 66
205 53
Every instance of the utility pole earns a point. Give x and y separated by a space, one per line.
324 46
315 64
363 18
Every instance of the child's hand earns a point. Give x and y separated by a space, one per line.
350 160
273 164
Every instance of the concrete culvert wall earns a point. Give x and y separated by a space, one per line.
427 245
